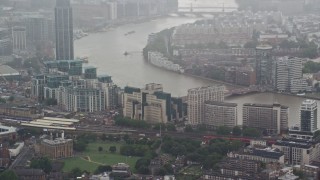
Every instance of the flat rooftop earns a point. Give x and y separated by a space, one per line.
265 105
56 141
61 119
221 103
47 126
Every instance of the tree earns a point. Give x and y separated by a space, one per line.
2 101
103 137
143 162
251 132
42 163
112 149
51 102
8 175
102 169
11 98
76 172
80 145
100 149
188 128
223 130
236 131
126 137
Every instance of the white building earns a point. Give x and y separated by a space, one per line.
19 38
220 114
197 97
288 70
157 59
298 85
298 152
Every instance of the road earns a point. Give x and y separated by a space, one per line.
22 158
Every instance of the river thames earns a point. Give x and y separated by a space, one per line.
105 51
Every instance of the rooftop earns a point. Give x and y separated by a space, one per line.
7 129
265 105
56 141
6 70
221 103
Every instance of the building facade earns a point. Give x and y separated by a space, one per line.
19 38
309 116
264 66
220 114
298 152
150 104
272 118
197 97
64 30
287 69
57 149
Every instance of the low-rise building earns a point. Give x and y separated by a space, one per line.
266 155
4 156
7 133
30 174
16 149
57 149
298 151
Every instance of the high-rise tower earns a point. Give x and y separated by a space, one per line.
64 30
309 116
264 65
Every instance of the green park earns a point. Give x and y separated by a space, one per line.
98 154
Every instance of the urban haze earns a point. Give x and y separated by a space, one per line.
159 89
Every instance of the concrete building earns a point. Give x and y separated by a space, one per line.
80 98
220 114
197 97
16 149
287 70
30 174
5 42
19 38
7 133
57 149
264 66
150 104
298 85
266 155
272 118
64 30
309 116
39 29
298 152
4 157
25 113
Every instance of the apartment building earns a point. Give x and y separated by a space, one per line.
196 99
287 70
272 118
220 114
298 151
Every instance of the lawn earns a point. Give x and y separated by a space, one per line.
103 157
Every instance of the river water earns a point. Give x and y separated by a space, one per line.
105 51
